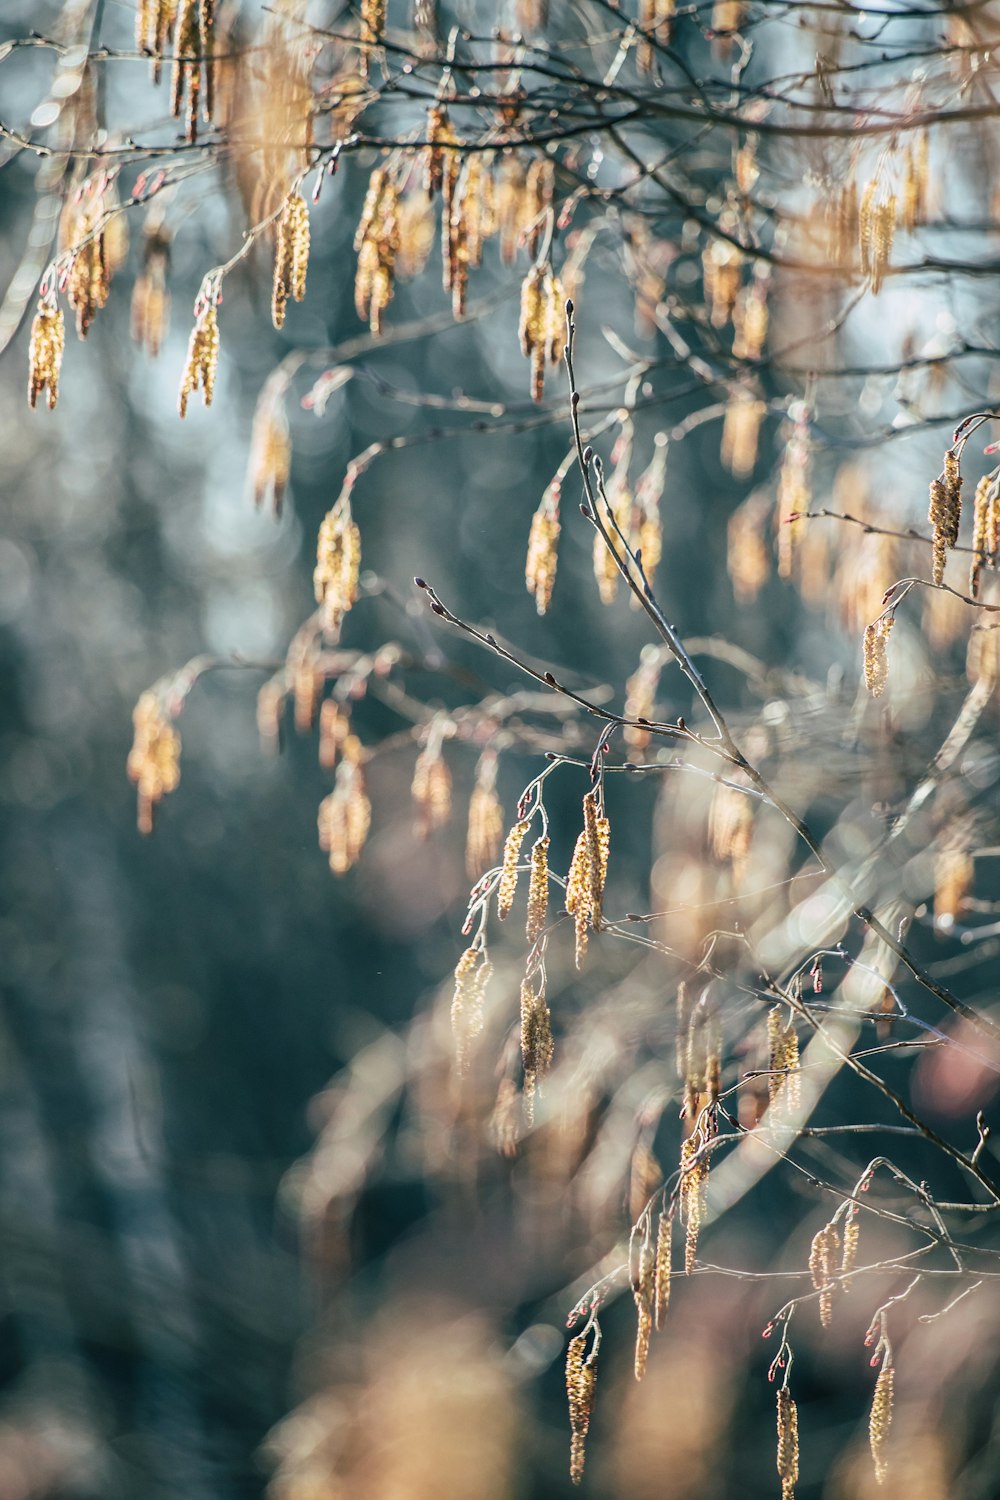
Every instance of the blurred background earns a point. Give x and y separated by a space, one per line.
250 1235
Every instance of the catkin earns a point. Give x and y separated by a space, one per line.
291 256
482 845
538 890
540 564
881 1420
581 1382
345 815
154 759
945 512
542 325
661 1280
472 975
876 661
202 359
508 873
822 1259
536 1043
788 1444
45 352
431 790
338 565
642 1291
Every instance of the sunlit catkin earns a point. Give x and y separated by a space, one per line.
823 1256
542 325
508 874
945 512
876 661
154 759
655 17
788 1444
881 1420
538 889
482 844
345 815
598 833
338 563
536 1043
640 697
472 975
741 433
662 1274
543 541
150 313
642 1291
581 1382
876 231
45 352
291 256
202 359
431 790
578 895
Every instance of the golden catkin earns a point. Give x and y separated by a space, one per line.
543 540
291 256
750 321
881 1420
578 895
538 890
581 1382
154 759
876 230
538 191
843 224
377 242
373 19
642 1291
694 1174
536 1043
606 559
509 201
473 973
345 815
748 561
788 1444
849 1254
983 522
508 874
154 25
954 870
598 832
270 452
876 661
823 1255
150 312
794 488
202 359
338 564
945 512
334 728
45 352
661 1278
193 70
542 324
730 827
92 253
415 219
482 844
431 790
722 273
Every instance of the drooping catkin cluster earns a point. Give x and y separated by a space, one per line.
508 874
377 244
415 219
788 1443
482 844
193 72
150 297
338 563
538 890
640 697
881 1420
985 529
842 220
93 243
543 540
581 1384
751 317
291 256
45 352
270 447
741 426
154 24
542 327
431 789
655 17
472 975
852 1241
441 156
876 230
643 1291
202 362
945 511
783 1077
345 815
154 761
694 1179
587 874
824 1254
536 1041
471 221
876 660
